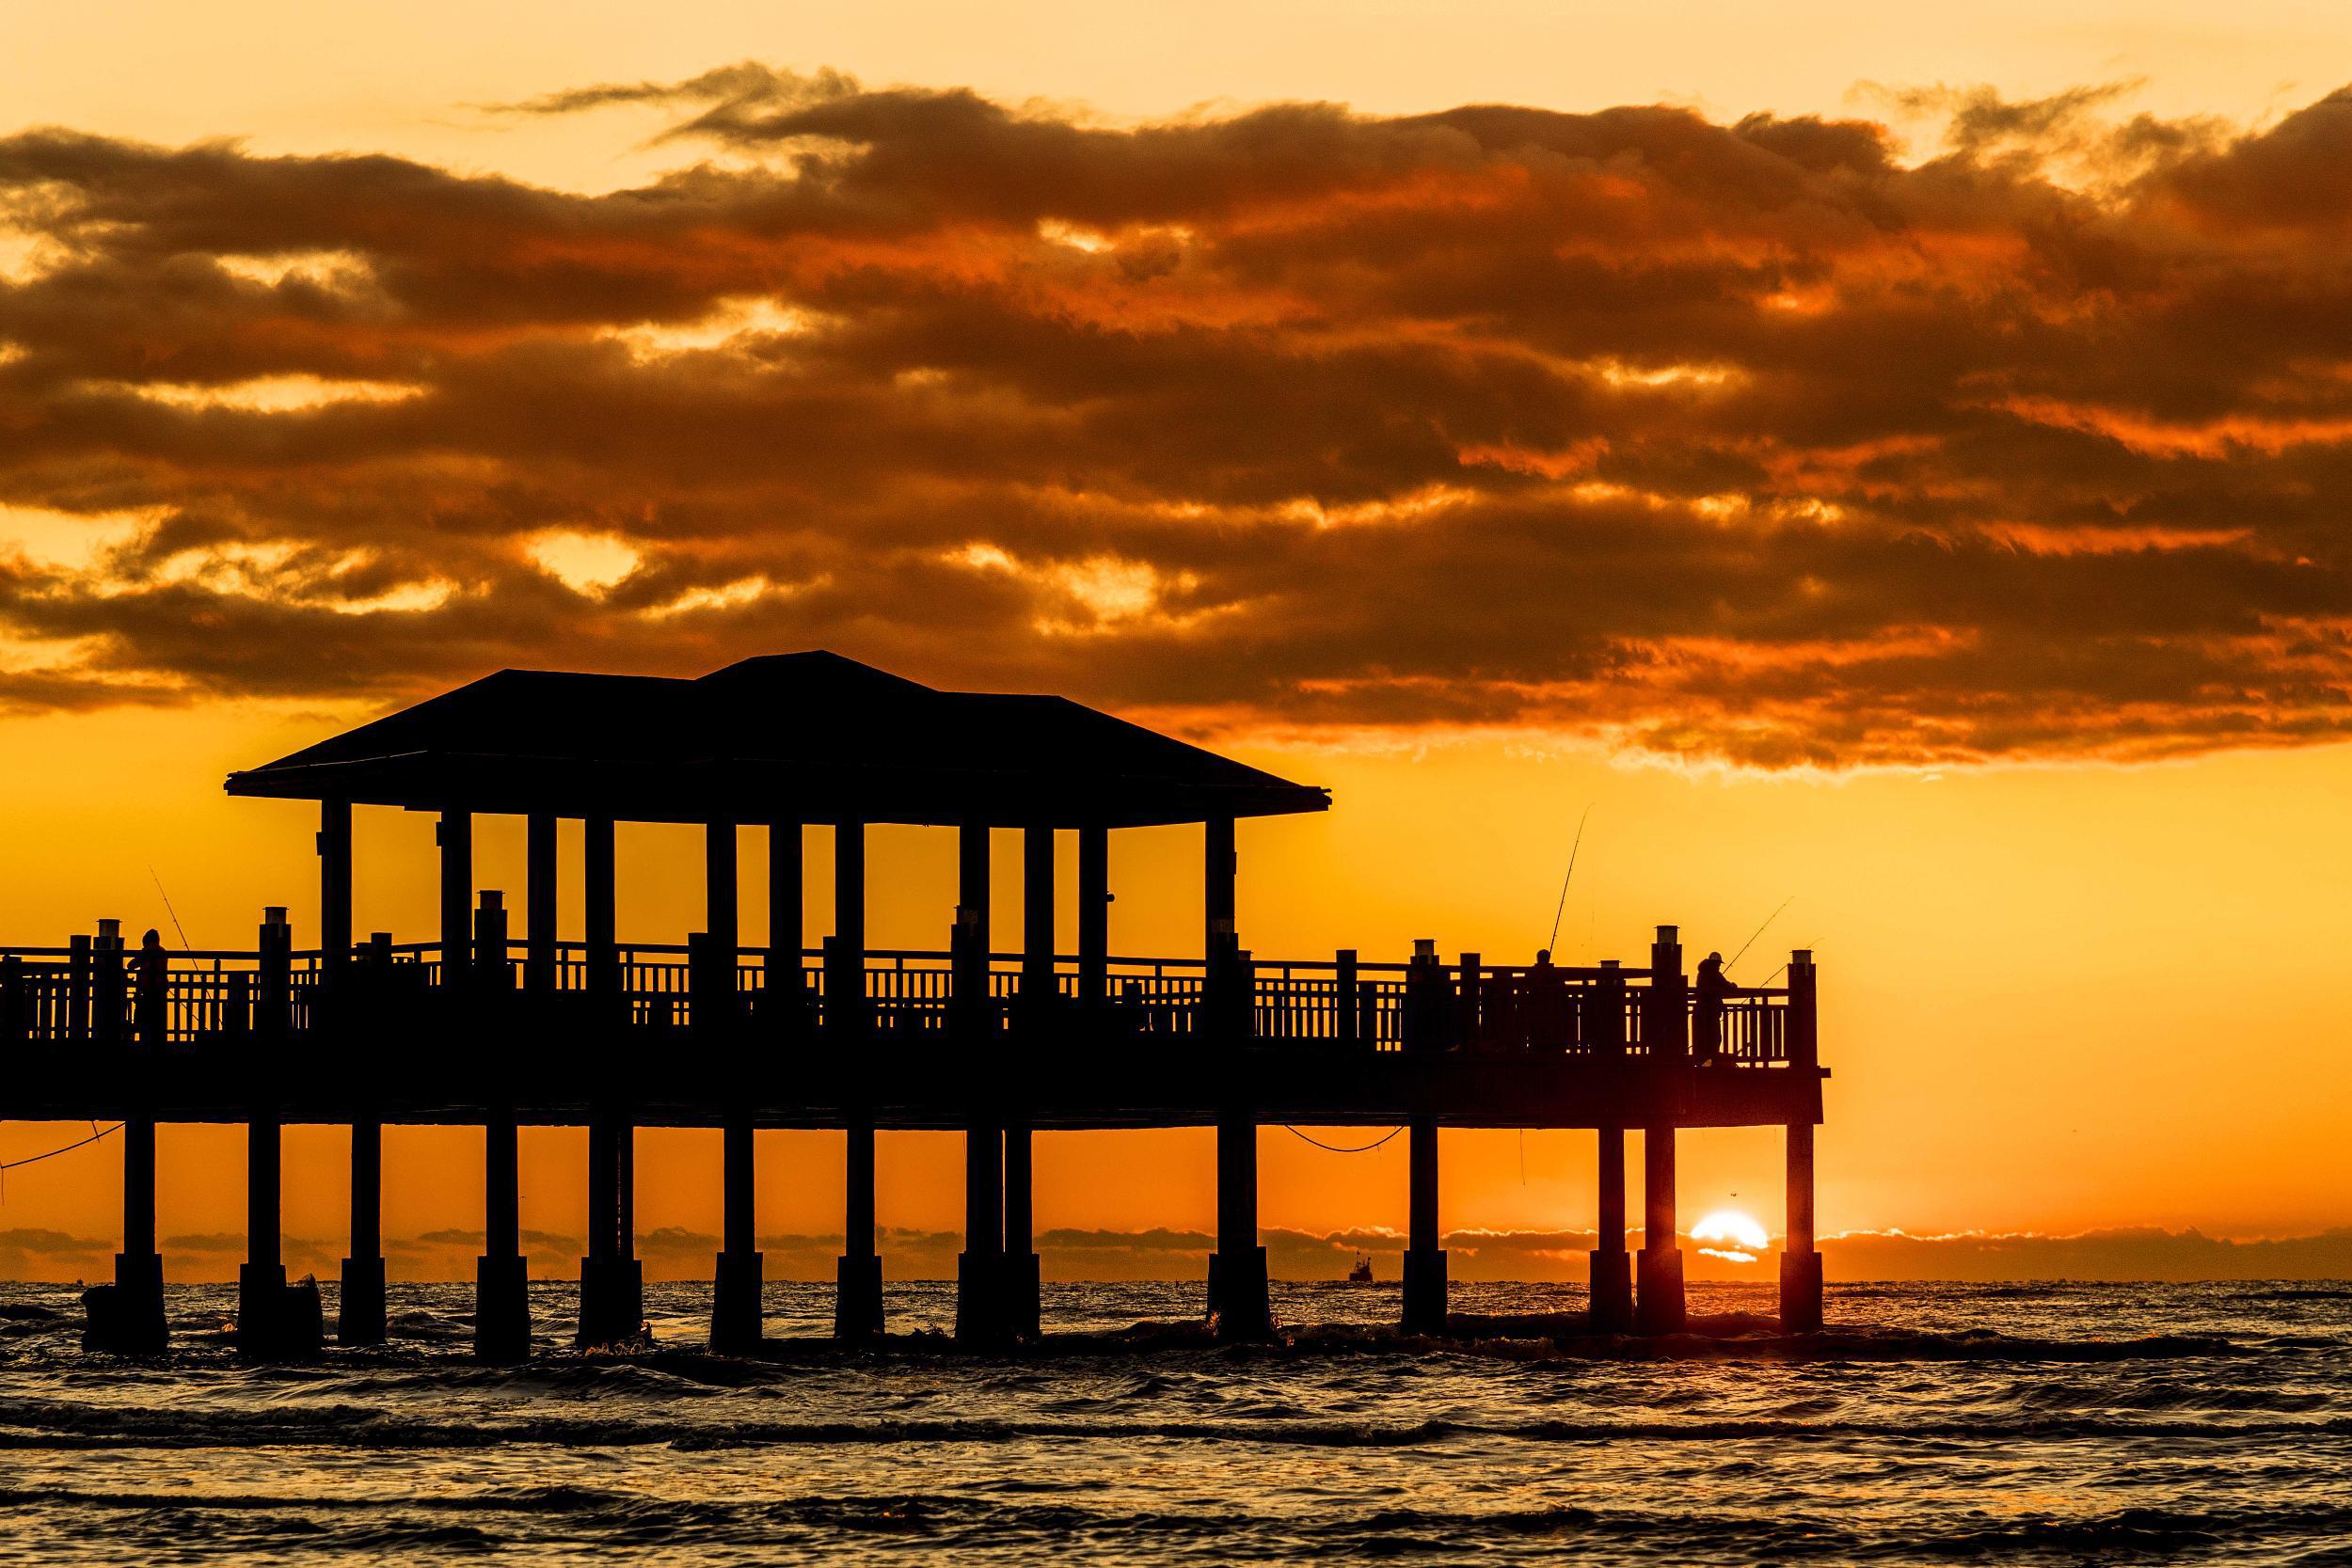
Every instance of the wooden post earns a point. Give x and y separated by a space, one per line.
502 1329
1346 1020
1225 1008
274 981
109 998
1799 1262
1467 1025
1094 916
847 1014
333 842
540 903
455 837
857 1308
1424 1259
1237 1273
785 998
77 998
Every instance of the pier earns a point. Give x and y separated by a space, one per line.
484 1024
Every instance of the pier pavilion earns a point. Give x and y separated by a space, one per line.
489 1026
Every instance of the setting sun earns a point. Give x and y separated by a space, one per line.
1729 1228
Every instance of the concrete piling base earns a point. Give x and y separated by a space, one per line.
1020 1297
1238 1304
277 1321
1658 1305
1425 1292
360 1317
501 1309
981 1279
1799 1293
1612 1308
739 1324
612 1300
857 1302
126 1318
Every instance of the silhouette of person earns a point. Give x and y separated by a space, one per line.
1544 1020
1709 992
147 1007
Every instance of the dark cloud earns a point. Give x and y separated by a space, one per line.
1748 441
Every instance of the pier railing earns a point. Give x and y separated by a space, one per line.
95 990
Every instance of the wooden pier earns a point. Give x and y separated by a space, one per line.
500 1028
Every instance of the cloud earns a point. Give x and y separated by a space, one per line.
1746 441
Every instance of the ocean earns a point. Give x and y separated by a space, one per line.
1933 1424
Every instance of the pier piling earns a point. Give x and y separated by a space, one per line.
857 1308
1800 1263
1612 1290
738 1325
360 1317
1424 1260
1238 1273
611 1278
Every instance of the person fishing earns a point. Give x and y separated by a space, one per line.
1709 992
1544 1018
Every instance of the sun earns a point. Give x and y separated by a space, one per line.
1730 1225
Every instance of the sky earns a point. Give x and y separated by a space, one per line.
1887 464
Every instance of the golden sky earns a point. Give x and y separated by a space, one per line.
1892 460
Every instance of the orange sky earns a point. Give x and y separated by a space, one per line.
2061 991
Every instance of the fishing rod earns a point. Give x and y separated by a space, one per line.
168 909
1554 945
1759 931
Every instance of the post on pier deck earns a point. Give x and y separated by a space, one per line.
1094 916
1424 1260
1038 991
783 1000
1237 1271
361 1320
980 1267
1666 1035
539 907
333 842
455 837
597 921
1800 1263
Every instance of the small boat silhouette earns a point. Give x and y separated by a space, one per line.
1361 1273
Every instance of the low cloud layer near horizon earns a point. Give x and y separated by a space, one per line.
675 1253
1748 441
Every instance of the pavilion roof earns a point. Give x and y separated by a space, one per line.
806 736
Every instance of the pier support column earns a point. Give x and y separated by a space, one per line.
597 919
980 1282
334 844
501 1297
1799 1264
1612 1276
612 1279
1020 1297
268 1321
738 1325
1424 1260
129 1318
539 878
857 1308
361 1318
1238 1273
1659 1304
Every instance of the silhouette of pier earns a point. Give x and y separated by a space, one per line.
497 1027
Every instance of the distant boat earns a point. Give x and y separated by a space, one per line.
1361 1273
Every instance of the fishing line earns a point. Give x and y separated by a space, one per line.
7 1166
170 910
1759 931
1335 1148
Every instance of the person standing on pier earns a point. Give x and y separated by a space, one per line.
1710 989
